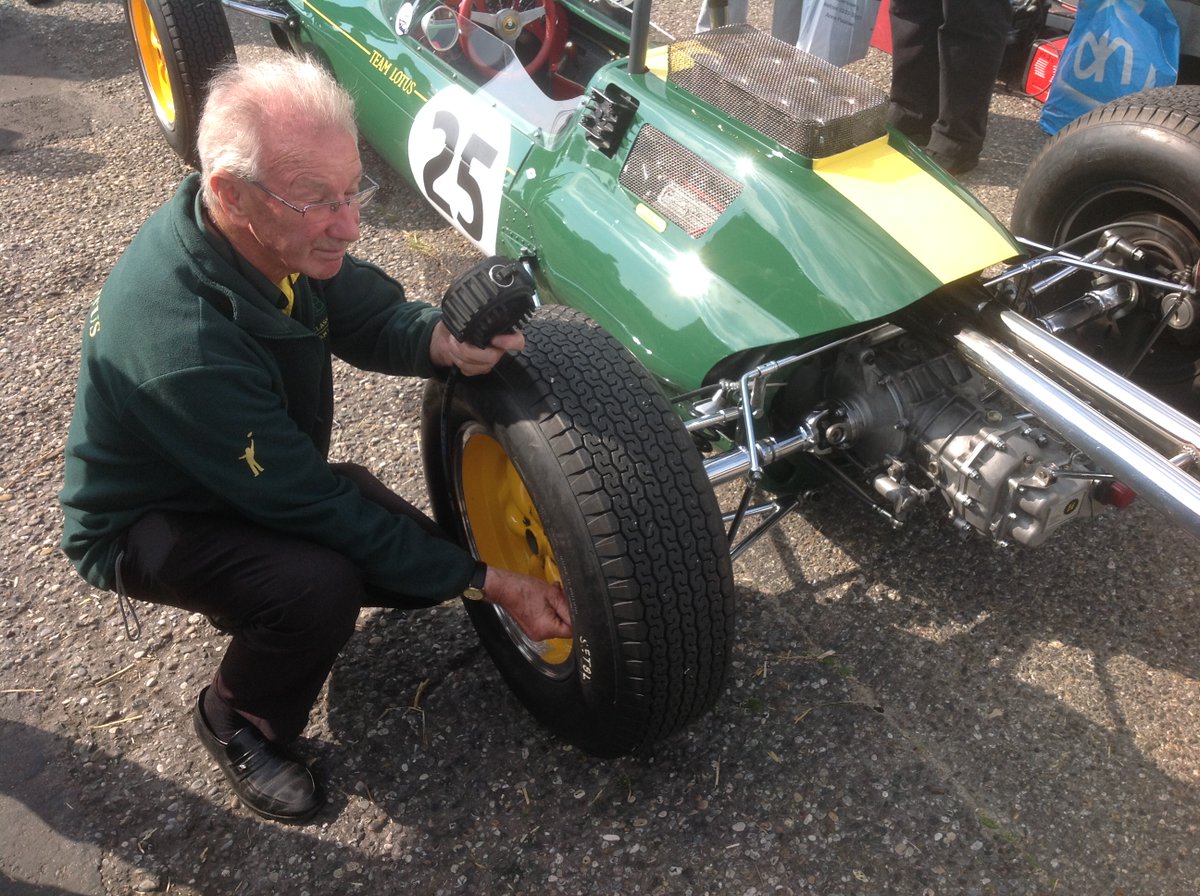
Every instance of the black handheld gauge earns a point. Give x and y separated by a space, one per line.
493 297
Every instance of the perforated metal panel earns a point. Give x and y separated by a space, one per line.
802 102
676 182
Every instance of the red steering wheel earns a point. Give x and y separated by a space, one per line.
508 22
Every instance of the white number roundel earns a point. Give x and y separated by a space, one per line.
458 150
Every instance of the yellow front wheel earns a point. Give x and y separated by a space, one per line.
568 464
178 45
506 531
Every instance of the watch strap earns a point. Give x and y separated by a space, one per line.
479 576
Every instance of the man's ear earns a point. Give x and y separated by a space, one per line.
232 195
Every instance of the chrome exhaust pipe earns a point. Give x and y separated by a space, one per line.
1117 451
1170 432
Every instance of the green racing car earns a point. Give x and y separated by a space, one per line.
748 286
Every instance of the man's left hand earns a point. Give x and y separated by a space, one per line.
446 351
539 608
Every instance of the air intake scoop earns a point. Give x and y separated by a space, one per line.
802 102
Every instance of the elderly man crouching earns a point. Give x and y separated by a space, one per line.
196 470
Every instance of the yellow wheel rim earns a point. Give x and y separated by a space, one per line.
507 532
152 61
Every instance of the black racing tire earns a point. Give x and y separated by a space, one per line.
1138 153
1135 160
178 45
566 462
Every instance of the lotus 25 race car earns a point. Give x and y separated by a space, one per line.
743 276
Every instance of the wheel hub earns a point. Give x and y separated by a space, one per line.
506 531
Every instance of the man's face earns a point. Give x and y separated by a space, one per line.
303 169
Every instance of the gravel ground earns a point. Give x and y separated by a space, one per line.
907 712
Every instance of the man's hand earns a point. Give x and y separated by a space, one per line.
446 351
539 608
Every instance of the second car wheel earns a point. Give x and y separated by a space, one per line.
1129 169
567 463
179 45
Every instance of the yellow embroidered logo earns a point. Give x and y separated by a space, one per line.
249 458
94 318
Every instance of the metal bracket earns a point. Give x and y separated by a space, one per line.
273 11
607 118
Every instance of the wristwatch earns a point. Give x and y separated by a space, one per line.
475 586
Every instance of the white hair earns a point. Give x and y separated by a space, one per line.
247 101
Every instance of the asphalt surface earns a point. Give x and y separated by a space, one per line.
908 712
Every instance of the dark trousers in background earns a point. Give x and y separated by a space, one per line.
289 604
945 58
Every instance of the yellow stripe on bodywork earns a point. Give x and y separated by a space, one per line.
344 33
658 61
938 228
679 56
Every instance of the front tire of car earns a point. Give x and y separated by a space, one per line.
568 464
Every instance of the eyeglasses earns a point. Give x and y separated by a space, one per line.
330 207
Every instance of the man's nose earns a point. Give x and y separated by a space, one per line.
344 225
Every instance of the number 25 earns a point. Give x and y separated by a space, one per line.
476 149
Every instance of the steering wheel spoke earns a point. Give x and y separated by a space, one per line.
531 15
486 19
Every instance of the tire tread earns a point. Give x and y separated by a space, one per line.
657 529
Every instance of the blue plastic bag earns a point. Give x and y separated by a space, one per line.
1115 47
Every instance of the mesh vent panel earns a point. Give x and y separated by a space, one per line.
802 102
676 182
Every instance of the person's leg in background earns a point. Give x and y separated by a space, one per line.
786 16
916 68
946 55
736 13
971 45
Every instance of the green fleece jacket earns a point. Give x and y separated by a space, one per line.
197 393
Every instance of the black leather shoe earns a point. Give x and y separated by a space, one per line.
269 779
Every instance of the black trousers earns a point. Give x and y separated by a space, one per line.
946 55
289 604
